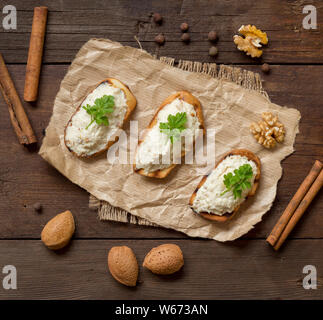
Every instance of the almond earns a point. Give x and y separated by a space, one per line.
58 231
164 259
123 265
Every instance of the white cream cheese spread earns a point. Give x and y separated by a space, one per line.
209 199
88 141
157 146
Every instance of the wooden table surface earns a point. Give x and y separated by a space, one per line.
244 269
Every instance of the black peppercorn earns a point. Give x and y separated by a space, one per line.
160 39
185 37
184 27
213 51
265 68
37 206
157 18
212 36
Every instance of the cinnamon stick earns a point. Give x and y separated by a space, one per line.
315 188
17 113
293 204
35 53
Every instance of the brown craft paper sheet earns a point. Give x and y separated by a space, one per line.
227 107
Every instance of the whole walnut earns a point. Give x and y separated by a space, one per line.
268 131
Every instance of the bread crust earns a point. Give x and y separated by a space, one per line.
227 216
187 97
131 103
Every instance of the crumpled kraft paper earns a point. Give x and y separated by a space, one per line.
227 107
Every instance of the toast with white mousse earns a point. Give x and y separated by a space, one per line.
235 177
94 126
179 118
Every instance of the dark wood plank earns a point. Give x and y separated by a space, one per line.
71 24
239 270
25 178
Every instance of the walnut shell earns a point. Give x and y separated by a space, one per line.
58 231
123 265
164 259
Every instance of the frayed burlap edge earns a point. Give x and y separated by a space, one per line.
243 78
108 212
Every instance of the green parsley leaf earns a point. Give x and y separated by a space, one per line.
239 181
174 125
98 112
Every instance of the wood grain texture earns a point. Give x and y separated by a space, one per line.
25 178
72 23
239 270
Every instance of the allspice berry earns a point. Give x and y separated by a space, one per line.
185 37
265 68
37 206
157 18
184 27
160 39
213 52
212 36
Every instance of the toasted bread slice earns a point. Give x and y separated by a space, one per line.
187 97
131 104
227 216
